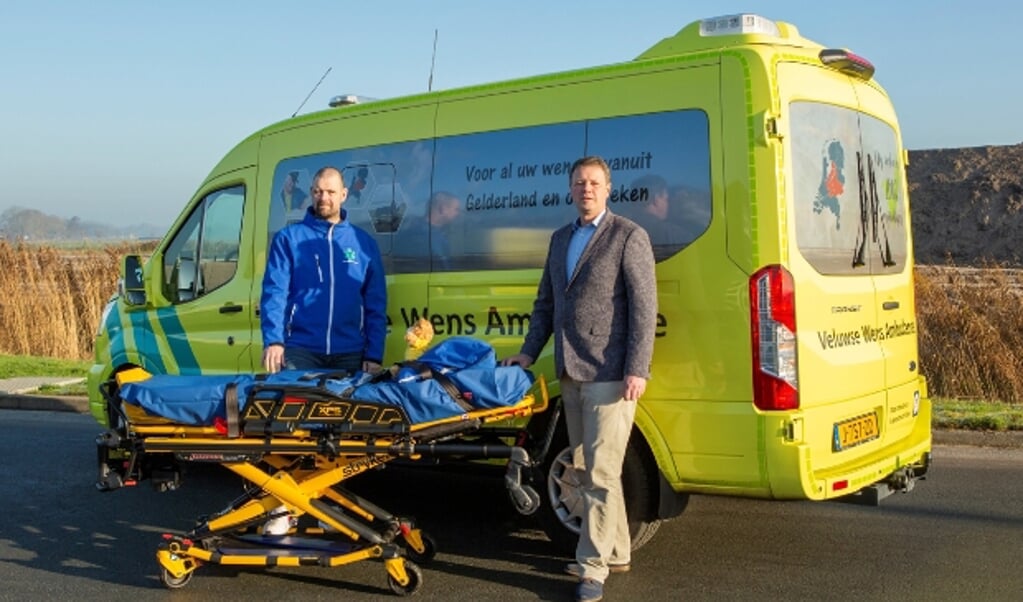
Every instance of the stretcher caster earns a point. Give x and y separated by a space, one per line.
419 546
171 582
413 578
525 499
176 566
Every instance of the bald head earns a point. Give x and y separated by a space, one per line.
329 193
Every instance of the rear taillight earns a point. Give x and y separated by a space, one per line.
773 325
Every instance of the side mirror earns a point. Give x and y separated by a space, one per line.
134 286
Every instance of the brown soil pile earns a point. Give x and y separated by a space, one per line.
967 205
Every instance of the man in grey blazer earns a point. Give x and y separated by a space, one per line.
598 299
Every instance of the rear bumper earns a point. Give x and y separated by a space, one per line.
911 452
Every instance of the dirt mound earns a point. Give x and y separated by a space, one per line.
967 205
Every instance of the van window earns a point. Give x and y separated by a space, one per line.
513 186
514 183
203 254
388 189
660 168
847 175
495 197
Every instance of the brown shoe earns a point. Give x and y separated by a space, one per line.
575 570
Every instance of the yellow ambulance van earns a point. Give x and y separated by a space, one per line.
769 171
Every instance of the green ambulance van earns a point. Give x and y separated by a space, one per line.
770 173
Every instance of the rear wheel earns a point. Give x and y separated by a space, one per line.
561 514
429 549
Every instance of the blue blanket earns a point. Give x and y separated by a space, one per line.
469 364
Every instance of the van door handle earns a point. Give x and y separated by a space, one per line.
890 305
230 308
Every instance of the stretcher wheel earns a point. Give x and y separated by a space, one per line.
525 499
429 549
171 582
415 580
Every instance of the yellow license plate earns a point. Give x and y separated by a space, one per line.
853 432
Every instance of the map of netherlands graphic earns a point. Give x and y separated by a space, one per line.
832 182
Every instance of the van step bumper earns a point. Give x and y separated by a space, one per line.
901 481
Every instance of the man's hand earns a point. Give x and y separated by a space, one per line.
371 368
635 386
273 358
519 358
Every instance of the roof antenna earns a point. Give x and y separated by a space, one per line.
433 61
311 91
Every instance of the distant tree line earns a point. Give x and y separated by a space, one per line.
22 224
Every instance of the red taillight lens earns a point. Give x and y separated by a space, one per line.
773 326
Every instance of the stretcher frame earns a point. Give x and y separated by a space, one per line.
293 446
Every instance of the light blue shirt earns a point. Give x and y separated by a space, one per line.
581 236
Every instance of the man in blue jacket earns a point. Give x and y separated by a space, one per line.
324 296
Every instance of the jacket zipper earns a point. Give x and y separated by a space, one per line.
330 267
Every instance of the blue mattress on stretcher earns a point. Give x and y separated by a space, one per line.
468 363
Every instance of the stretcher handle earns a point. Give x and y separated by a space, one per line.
544 398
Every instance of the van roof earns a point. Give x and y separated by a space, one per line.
729 30
707 34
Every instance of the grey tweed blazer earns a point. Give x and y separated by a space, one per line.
602 317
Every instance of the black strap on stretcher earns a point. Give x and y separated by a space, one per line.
231 405
321 379
427 371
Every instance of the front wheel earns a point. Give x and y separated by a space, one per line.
561 515
171 582
415 580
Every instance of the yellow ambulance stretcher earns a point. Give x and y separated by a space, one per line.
293 443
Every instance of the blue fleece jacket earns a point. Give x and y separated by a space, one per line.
324 289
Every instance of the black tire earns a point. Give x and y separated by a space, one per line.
171 582
429 549
525 500
560 514
415 575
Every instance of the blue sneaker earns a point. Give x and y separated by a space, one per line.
589 590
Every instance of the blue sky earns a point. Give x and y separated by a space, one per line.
114 111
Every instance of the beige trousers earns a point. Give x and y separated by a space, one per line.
599 423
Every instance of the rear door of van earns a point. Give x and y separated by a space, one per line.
848 256
891 260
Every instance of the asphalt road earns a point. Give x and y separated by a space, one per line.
957 536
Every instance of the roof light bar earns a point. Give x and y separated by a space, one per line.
847 62
346 99
744 23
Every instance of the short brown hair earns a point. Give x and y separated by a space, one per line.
590 160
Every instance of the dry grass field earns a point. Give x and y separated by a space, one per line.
53 297
971 329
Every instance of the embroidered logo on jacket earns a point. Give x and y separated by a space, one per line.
350 256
